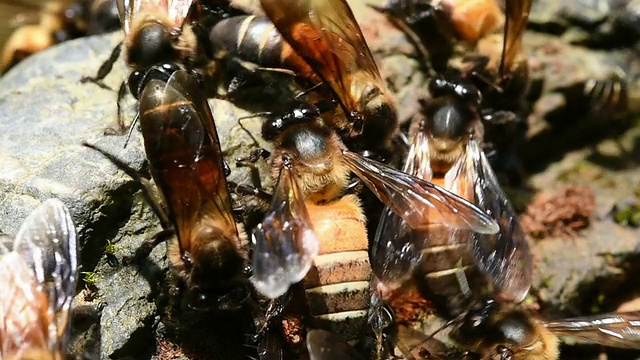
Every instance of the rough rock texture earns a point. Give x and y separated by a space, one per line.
45 114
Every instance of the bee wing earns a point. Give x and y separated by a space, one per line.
394 251
23 309
504 256
175 11
184 154
285 243
517 13
415 199
325 345
620 330
178 11
47 242
327 36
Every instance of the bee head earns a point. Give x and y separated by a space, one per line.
152 44
498 332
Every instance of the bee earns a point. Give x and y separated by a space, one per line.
495 330
321 42
155 33
56 21
315 233
446 150
501 63
38 278
207 250
474 280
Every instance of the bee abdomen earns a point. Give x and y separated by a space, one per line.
250 38
448 266
341 308
609 97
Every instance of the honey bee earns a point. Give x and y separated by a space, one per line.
321 41
501 63
155 33
315 233
495 330
446 150
38 280
56 21
473 280
208 252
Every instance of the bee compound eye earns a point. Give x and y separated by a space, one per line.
134 82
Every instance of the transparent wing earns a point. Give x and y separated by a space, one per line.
325 345
285 243
418 201
178 11
505 256
394 252
23 309
47 242
620 330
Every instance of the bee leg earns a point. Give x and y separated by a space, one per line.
240 119
105 69
147 187
147 246
242 189
253 157
122 127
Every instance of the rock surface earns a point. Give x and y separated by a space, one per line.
46 113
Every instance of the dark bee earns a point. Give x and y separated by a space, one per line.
208 253
38 279
156 32
315 233
320 41
55 22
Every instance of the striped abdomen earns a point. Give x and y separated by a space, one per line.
337 286
255 39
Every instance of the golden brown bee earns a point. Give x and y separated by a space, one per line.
208 252
446 150
320 41
494 330
37 281
57 21
315 233
475 280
